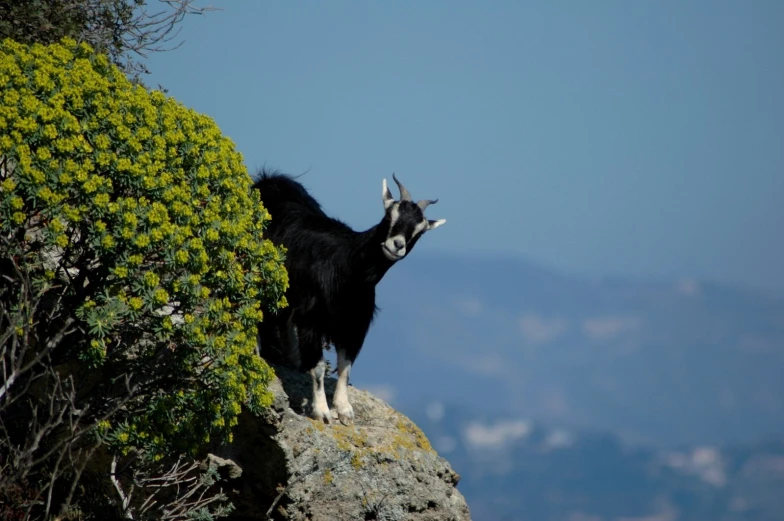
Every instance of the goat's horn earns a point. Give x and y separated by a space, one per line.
424 203
404 195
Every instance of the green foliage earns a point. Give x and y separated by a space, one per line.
133 218
122 29
48 21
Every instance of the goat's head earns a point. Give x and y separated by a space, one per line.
407 221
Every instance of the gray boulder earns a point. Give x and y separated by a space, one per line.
295 468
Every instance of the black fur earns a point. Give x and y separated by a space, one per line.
333 272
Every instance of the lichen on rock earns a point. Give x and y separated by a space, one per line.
295 468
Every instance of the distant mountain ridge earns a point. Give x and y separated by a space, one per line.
658 362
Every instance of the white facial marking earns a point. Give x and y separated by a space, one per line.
420 228
320 409
340 400
394 215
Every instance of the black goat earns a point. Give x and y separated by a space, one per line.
333 272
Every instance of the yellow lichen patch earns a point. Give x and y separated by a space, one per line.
350 437
362 446
353 440
411 436
356 460
328 477
318 424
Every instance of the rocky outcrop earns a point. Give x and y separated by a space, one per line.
294 468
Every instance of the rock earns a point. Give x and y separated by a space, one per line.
227 468
295 468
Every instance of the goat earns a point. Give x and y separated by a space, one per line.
333 271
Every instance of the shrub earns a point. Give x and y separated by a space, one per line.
134 268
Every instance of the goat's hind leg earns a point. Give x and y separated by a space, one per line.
313 357
340 399
320 408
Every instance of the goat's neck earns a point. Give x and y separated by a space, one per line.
368 261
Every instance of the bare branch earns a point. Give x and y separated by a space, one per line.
124 500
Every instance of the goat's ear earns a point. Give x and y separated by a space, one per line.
432 225
386 195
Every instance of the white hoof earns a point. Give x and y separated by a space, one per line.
320 412
345 414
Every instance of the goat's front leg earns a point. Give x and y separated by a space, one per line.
340 400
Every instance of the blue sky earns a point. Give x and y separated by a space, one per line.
601 138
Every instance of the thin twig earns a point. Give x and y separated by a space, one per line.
125 500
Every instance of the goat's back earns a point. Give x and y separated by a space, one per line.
298 222
283 196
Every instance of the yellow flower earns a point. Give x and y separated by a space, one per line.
157 213
151 279
102 142
46 194
56 226
101 200
103 158
160 296
129 219
36 176
43 154
92 184
123 164
73 214
142 241
8 185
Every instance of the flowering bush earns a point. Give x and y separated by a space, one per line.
133 264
